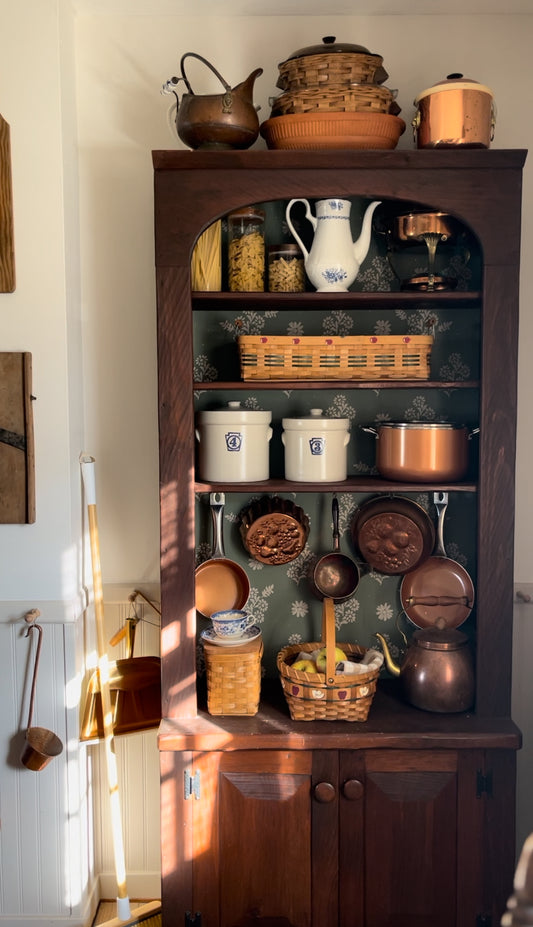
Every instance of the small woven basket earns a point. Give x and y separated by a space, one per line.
335 70
326 696
321 357
233 678
360 99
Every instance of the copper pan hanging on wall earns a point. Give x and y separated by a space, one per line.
393 534
439 592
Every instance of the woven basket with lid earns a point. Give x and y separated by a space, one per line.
330 65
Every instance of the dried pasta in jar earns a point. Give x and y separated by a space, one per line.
246 250
286 270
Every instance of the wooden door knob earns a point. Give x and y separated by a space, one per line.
352 789
324 792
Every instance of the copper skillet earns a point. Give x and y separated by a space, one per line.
440 590
220 583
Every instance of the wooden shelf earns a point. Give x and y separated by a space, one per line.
451 299
334 384
352 484
391 723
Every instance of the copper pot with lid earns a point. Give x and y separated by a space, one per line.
454 112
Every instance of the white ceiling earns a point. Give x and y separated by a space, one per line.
305 7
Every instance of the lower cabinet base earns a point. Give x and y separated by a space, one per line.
337 838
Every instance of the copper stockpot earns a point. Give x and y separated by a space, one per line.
454 112
422 451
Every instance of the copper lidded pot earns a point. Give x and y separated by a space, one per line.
454 112
422 451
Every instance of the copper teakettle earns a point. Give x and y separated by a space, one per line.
223 120
437 672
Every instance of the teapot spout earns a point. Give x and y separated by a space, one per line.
362 244
246 88
392 667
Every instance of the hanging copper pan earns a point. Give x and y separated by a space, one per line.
220 583
439 592
393 534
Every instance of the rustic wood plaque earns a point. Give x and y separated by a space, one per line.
17 480
7 245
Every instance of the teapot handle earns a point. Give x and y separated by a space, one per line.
308 215
226 86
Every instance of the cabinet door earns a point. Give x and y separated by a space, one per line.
252 839
408 872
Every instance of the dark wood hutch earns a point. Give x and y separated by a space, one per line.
408 818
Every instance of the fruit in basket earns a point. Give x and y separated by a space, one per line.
322 657
305 666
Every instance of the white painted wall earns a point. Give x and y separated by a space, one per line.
81 95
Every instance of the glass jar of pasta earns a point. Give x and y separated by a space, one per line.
286 270
246 250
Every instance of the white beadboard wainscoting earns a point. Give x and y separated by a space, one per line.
56 855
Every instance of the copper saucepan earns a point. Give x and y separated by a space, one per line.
220 583
393 534
336 576
440 592
422 451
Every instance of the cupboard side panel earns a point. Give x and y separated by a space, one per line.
176 477
176 838
497 439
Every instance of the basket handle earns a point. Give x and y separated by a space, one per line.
328 637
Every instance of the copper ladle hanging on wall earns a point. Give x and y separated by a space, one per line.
41 745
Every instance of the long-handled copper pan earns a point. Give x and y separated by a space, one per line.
439 592
220 583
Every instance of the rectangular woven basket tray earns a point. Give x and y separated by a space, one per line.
322 357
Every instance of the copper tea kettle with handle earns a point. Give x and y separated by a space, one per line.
221 120
437 670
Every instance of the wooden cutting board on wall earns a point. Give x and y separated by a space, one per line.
7 245
17 471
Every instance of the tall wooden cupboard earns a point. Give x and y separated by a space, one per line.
408 818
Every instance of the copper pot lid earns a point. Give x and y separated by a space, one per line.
439 638
454 82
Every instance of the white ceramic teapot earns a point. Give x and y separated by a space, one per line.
334 260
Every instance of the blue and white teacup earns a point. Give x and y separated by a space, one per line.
231 623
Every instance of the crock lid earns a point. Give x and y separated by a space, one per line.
234 413
325 422
454 82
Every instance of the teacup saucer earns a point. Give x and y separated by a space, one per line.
249 635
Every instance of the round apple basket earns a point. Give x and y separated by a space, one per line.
327 696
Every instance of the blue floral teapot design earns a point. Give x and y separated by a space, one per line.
334 260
